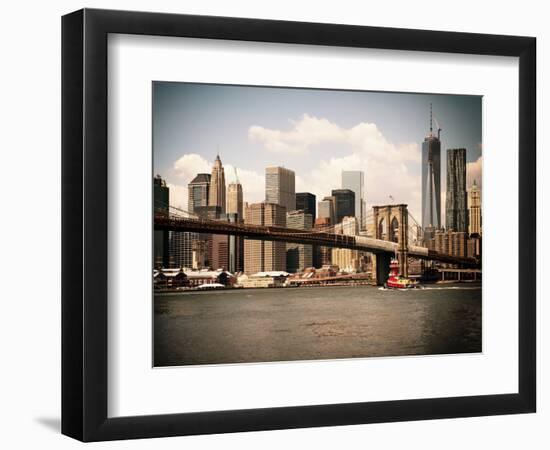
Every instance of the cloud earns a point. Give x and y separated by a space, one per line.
474 171
253 183
189 165
183 171
178 195
306 132
390 169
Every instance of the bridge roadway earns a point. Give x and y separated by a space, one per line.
269 233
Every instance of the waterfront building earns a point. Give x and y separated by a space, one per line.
306 202
182 277
298 256
161 196
354 180
216 195
260 256
456 208
280 187
344 203
475 210
431 180
263 280
198 191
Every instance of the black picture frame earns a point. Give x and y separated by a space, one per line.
84 224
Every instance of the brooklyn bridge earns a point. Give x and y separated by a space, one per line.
390 238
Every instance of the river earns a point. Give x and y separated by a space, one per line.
257 325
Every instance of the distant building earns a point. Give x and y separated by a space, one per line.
321 254
181 248
326 209
280 187
475 210
347 259
263 280
235 199
161 196
235 247
456 203
187 278
216 195
354 180
344 203
298 256
453 243
306 201
198 192
431 181
208 212
261 256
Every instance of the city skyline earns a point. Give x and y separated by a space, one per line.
317 134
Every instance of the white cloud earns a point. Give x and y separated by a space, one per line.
388 167
178 195
184 170
474 171
253 183
189 165
307 131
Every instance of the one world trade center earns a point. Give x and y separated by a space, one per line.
431 181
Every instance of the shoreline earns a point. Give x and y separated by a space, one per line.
455 283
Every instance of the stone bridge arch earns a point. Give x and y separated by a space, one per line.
392 224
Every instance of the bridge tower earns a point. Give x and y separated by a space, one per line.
391 223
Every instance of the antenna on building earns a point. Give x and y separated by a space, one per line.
236 175
431 120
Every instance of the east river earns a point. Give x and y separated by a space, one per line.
255 325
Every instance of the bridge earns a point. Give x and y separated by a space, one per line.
391 237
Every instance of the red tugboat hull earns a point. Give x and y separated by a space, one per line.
395 281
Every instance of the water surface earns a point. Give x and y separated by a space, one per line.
255 325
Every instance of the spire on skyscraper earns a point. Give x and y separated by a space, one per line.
431 120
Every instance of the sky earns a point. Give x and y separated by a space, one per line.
317 133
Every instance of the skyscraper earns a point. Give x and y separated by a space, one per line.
354 180
475 210
431 180
280 187
456 207
298 256
198 192
161 195
260 256
306 201
181 248
217 185
235 199
326 209
344 203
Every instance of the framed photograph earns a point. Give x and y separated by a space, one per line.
273 224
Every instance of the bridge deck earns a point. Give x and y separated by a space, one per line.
270 233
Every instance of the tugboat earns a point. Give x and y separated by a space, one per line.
395 281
